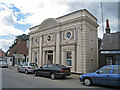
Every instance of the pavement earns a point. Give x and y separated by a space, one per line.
13 67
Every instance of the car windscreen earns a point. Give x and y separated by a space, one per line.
61 66
3 62
33 64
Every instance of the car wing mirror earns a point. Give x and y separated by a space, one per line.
41 67
98 72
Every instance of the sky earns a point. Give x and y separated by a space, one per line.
17 16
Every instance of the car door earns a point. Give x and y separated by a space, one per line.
22 67
25 66
43 70
49 69
115 75
102 76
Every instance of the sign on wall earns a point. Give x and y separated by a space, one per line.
110 52
76 35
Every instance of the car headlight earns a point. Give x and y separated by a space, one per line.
80 75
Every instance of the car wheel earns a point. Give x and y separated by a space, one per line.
87 82
36 73
52 76
18 70
26 71
64 77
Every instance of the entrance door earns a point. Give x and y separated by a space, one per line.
50 57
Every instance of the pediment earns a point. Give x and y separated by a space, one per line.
48 23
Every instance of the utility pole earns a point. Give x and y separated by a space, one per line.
102 19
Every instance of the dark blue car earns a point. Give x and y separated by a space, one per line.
107 75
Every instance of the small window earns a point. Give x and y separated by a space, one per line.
116 70
69 58
69 55
26 64
36 40
11 60
68 34
61 66
44 66
105 70
109 60
49 38
23 64
33 64
50 66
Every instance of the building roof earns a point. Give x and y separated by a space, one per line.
19 48
55 21
111 41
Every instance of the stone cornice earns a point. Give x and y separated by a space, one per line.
91 21
66 23
39 30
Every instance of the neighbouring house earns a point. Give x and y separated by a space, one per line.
110 48
99 45
18 52
2 54
69 40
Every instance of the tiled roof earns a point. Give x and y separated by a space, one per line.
111 41
19 48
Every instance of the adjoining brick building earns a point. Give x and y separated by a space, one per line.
69 40
2 54
18 53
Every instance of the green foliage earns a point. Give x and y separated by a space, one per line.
23 37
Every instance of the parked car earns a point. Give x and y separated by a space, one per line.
53 71
107 75
3 64
27 67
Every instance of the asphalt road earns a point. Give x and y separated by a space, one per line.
12 79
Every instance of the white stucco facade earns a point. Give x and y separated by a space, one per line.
69 40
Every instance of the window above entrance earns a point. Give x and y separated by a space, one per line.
49 38
68 35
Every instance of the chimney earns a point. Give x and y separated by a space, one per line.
107 27
19 40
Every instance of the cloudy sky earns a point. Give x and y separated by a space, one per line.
17 16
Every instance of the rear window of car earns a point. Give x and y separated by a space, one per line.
33 64
50 66
116 70
61 66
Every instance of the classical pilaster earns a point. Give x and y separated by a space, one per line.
53 57
58 48
43 57
63 57
30 50
79 53
33 56
40 50
73 60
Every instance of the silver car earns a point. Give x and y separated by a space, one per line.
27 67
3 64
